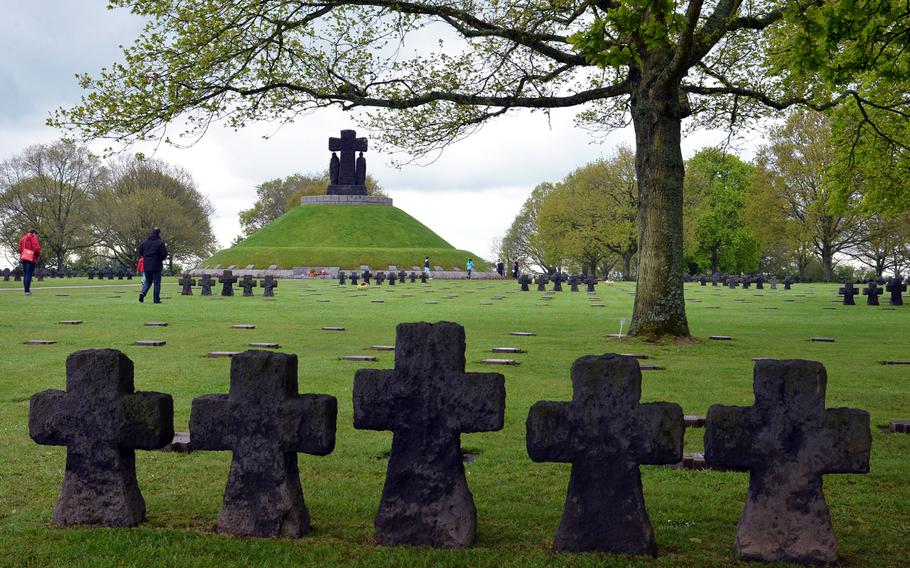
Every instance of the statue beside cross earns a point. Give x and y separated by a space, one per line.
347 174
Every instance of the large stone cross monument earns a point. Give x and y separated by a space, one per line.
347 175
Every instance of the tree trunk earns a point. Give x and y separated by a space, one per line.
627 265
827 264
714 260
660 307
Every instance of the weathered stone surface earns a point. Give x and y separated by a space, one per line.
427 401
101 421
787 440
848 292
872 292
268 285
605 433
206 284
227 280
896 287
247 283
264 422
186 285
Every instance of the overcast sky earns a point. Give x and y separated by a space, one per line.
469 196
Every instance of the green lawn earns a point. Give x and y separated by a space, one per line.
519 502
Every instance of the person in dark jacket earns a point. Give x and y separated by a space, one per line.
153 252
29 252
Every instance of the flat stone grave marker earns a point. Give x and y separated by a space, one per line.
712 307
635 355
62 295
431 302
150 342
381 348
499 362
522 333
647 367
822 339
40 341
694 421
507 350
900 427
243 326
427 401
217 354
102 421
331 328
155 324
720 337
358 358
264 422
896 362
180 444
70 322
787 441
264 345
605 433
598 306
377 301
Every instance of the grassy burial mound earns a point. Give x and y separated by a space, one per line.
345 236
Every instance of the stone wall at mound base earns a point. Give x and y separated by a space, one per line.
331 272
345 200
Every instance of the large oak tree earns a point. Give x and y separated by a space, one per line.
655 62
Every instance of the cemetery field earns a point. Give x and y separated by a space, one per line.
519 502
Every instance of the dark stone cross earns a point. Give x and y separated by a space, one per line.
392 278
524 280
872 292
557 279
787 440
379 278
402 275
342 278
186 283
423 277
366 276
787 283
896 286
101 421
574 280
605 433
247 283
848 292
714 279
17 274
264 422
542 283
354 278
759 282
227 280
591 281
206 284
427 401
347 174
703 280
747 282
268 285
412 277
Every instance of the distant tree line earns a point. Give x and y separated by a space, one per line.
91 213
809 204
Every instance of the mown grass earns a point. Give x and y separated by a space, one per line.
345 236
519 502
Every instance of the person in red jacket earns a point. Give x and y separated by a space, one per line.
29 253
140 268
